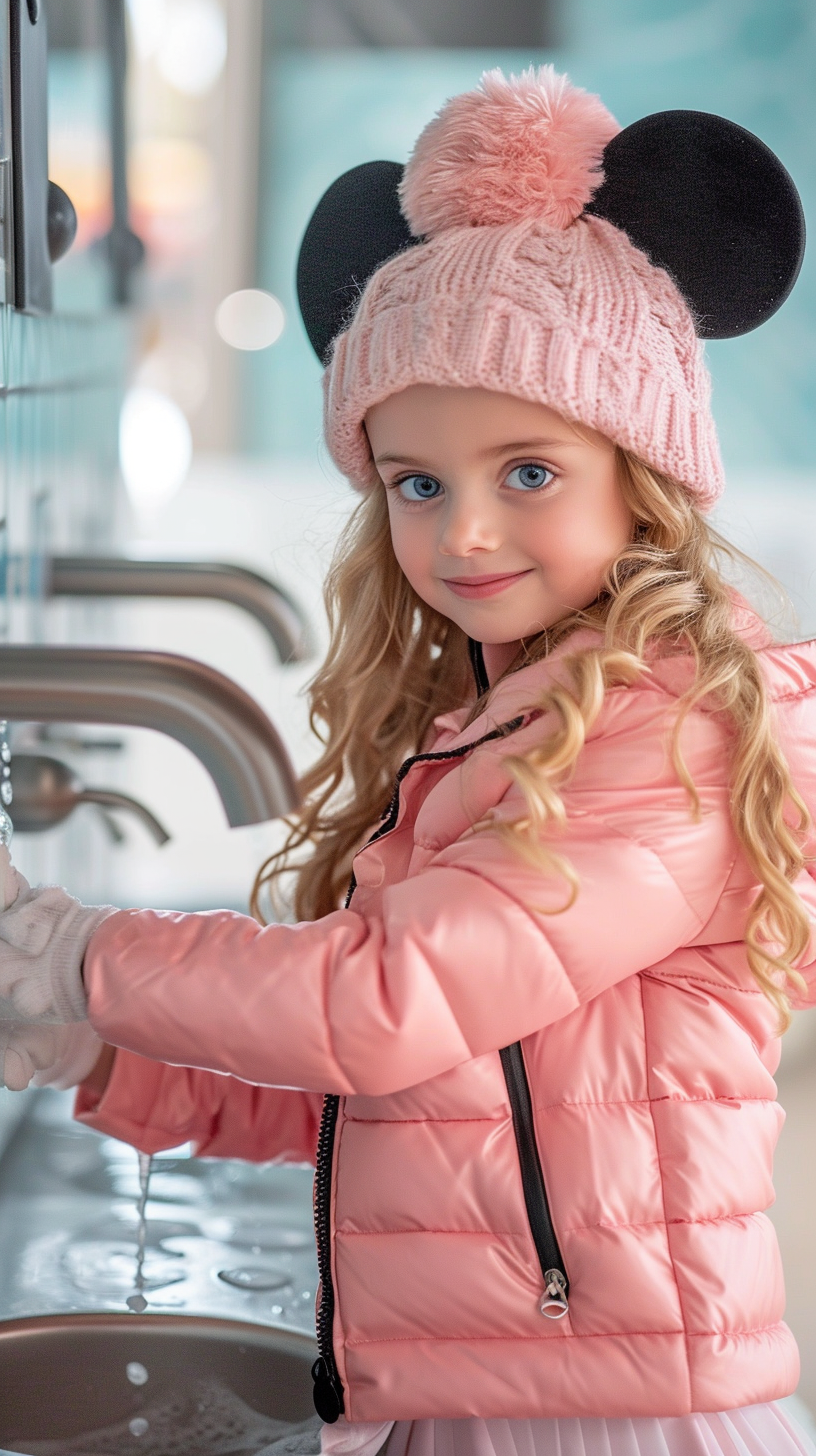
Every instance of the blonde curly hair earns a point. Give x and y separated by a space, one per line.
374 699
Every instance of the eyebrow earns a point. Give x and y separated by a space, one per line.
398 460
517 447
514 447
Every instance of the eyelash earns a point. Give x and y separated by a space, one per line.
415 474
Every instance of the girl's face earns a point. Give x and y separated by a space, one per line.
503 517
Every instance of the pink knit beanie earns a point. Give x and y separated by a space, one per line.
517 290
521 252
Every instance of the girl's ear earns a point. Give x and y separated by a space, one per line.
710 203
356 226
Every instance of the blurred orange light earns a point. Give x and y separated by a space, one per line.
170 175
78 162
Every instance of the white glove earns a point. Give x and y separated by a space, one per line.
43 937
48 1056
11 880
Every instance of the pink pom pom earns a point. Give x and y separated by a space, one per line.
517 147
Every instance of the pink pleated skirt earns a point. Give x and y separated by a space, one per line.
755 1430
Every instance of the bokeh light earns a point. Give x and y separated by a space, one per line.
193 45
169 174
148 19
250 319
171 193
155 449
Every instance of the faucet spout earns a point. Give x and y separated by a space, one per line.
46 791
109 799
221 724
119 576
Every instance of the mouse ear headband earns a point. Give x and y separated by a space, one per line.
532 248
702 197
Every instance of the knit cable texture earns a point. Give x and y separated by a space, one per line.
575 318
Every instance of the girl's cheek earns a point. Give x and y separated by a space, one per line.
413 549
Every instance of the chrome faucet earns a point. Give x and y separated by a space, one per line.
221 724
46 791
117 576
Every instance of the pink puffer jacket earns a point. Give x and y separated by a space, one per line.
545 1163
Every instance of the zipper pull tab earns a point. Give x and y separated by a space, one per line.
554 1303
327 1393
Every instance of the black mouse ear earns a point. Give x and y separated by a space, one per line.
356 226
710 203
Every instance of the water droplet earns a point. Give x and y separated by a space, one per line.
5 753
136 1373
139 1426
6 791
277 1309
136 1303
253 1278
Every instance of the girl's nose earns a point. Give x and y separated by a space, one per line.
468 526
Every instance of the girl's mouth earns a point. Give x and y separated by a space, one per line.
483 586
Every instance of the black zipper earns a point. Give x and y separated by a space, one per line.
328 1387
554 1302
477 664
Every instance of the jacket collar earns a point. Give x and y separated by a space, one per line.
516 695
513 696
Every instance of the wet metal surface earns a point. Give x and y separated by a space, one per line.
68 1229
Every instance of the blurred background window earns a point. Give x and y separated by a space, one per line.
380 23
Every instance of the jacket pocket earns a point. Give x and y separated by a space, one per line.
554 1301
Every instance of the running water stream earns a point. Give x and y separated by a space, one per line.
136 1301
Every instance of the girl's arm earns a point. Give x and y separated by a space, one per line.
461 959
155 1107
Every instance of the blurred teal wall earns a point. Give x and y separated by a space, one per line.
751 60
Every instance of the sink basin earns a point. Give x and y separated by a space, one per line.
151 1383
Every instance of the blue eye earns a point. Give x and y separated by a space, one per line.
529 477
419 488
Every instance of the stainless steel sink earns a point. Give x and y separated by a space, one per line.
154 1383
225 1240
228 1340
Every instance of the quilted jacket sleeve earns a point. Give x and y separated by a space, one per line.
155 1107
460 959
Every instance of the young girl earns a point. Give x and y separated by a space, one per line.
570 777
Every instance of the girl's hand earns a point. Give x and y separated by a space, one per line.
48 1056
43 936
11 881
